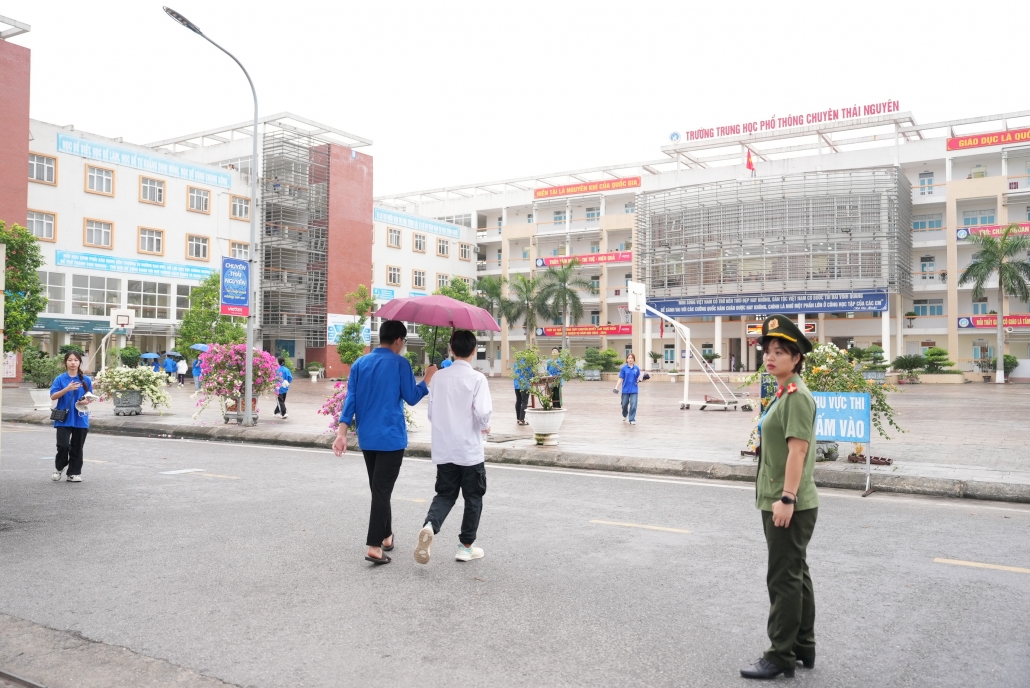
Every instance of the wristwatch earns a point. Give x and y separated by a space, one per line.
787 500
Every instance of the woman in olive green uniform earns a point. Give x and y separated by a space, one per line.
787 498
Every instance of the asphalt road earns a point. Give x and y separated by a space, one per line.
251 571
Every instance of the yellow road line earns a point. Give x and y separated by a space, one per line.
979 565
216 475
94 461
638 525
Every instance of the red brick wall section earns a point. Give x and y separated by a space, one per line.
14 132
350 236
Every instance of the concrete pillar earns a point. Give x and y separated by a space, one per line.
899 310
648 333
947 169
62 339
951 241
801 322
1004 169
885 331
718 342
821 326
170 344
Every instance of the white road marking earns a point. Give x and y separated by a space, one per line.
980 565
640 525
185 470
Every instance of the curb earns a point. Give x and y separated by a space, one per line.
937 487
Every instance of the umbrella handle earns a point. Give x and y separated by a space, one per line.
432 351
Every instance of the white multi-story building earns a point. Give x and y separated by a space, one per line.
125 227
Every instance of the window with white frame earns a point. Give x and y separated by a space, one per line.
595 246
926 184
419 242
95 295
197 247
593 214
149 299
559 217
443 247
199 200
525 253
928 306
595 317
442 280
52 284
529 218
393 237
465 251
595 282
42 169
40 224
980 306
98 233
631 207
393 275
500 220
927 268
240 208
928 221
418 279
100 180
151 241
981 350
978 172
973 218
469 282
463 220
239 249
152 190
182 300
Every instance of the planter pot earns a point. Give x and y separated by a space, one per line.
234 411
545 425
672 377
314 375
128 403
826 451
40 398
942 379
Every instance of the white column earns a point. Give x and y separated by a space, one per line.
718 342
1004 163
899 349
170 344
821 325
648 322
801 322
885 333
947 169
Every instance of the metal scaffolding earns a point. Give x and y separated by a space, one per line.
812 232
294 239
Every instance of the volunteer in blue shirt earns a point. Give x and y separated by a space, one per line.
379 385
68 389
169 365
522 374
197 372
282 388
629 378
554 369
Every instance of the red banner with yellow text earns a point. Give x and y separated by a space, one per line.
992 230
587 259
991 321
994 138
585 330
588 187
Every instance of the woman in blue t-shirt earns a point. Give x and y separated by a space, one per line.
629 377
68 390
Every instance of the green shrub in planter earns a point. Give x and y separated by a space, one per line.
40 369
1010 363
937 361
130 356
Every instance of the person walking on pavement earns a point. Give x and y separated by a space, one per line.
180 370
379 383
554 369
70 416
523 376
459 412
197 372
170 367
282 388
629 379
786 495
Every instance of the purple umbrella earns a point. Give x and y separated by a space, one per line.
439 311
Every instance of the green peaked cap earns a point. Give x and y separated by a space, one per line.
785 328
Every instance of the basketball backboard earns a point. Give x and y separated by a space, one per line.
123 319
637 292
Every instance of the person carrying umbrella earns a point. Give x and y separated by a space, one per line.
378 385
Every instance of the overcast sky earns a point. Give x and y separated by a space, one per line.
456 92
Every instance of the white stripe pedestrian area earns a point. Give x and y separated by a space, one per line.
184 470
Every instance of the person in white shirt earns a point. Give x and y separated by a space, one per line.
180 370
459 411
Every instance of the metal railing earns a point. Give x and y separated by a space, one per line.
926 321
929 277
929 193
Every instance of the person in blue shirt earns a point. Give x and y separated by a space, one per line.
157 368
446 363
197 372
282 388
68 389
522 374
379 385
629 378
169 366
555 368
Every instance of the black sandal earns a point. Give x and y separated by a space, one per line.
390 548
378 562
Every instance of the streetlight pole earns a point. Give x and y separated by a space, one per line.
248 417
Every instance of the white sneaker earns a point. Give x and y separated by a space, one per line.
632 422
75 478
285 416
424 543
56 477
469 553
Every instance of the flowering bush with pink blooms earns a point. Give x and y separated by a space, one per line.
333 407
222 374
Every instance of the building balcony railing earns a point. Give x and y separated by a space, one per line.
929 193
488 266
926 322
922 235
618 295
575 226
929 277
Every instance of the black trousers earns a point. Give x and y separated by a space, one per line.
69 449
182 378
280 405
383 469
791 598
471 481
521 400
556 396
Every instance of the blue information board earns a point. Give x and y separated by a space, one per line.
235 287
842 416
770 303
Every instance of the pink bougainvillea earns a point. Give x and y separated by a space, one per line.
222 373
333 406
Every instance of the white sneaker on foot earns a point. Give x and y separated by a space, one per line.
285 416
424 543
469 553
75 478
632 422
56 477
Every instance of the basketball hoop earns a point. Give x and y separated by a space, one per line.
624 314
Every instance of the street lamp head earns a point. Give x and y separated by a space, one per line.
182 20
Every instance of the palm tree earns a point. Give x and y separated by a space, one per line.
489 295
999 255
559 287
524 303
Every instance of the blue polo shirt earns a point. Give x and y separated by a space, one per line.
287 377
629 375
196 368
169 365
75 419
522 375
379 384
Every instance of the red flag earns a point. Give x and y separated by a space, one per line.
661 329
750 162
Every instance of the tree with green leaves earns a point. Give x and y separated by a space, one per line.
23 296
937 360
458 290
203 323
1004 256
351 346
524 303
560 286
490 297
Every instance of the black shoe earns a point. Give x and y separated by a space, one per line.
763 668
807 662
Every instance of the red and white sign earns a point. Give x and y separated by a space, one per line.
993 230
994 138
588 187
991 321
237 311
585 330
795 120
587 259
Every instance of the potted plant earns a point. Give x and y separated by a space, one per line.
130 356
41 370
222 379
129 387
546 420
314 369
910 318
672 374
656 359
909 367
